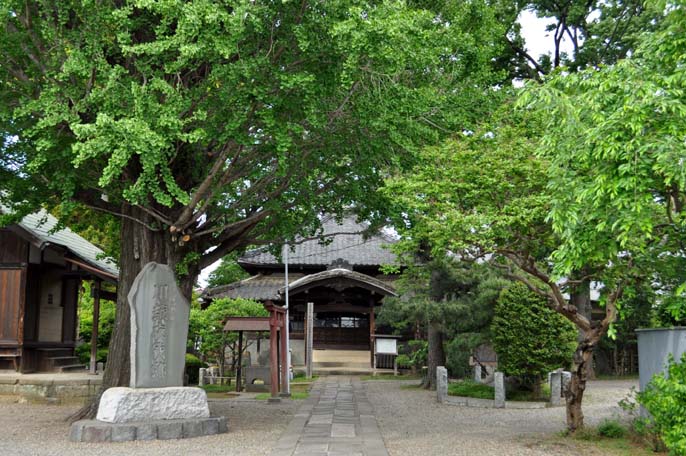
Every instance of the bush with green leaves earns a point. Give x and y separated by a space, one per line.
530 338
665 399
414 355
206 328
612 429
105 325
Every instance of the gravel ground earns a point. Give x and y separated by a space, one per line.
412 423
41 430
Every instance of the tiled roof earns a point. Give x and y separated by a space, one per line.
344 241
367 281
40 224
259 287
271 287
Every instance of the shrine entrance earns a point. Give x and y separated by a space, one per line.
344 304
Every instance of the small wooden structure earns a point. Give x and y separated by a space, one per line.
278 355
342 277
41 270
386 352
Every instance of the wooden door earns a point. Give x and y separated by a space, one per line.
11 305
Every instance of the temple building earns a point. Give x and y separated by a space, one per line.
339 272
41 270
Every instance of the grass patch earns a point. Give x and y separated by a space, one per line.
295 395
612 438
529 396
301 378
218 388
365 378
471 389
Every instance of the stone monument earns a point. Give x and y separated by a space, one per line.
156 405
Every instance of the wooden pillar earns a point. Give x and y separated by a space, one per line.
308 342
372 330
273 360
239 366
285 368
96 321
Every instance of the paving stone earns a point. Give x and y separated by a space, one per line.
336 420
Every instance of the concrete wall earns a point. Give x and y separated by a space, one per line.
654 347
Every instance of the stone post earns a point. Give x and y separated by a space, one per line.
499 384
555 388
441 383
308 343
477 373
201 376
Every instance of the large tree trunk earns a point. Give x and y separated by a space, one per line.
436 355
580 297
139 246
574 393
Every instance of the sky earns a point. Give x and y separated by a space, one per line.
538 42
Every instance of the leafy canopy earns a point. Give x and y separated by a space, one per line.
228 122
614 141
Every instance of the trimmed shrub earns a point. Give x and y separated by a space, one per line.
530 338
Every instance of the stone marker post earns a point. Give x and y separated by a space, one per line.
157 405
441 383
308 342
555 388
477 373
499 384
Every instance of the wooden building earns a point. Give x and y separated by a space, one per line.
340 273
40 279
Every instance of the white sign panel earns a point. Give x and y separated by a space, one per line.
386 346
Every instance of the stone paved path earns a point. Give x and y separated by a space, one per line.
336 420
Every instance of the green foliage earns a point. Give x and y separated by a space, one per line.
468 388
221 123
227 272
206 329
530 338
613 141
193 365
105 326
665 399
611 429
415 355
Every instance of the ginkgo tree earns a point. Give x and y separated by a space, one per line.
211 125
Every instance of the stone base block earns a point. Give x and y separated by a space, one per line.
98 431
125 405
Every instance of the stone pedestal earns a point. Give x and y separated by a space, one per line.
441 383
127 414
124 405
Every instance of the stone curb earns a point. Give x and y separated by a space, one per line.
490 403
93 431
